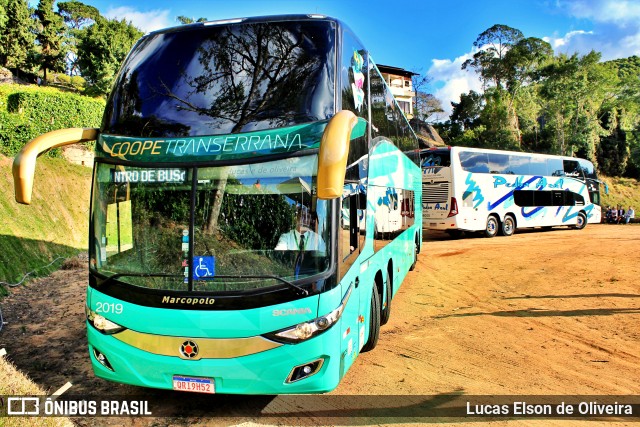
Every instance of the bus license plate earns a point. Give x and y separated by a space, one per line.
194 384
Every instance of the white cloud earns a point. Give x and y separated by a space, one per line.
450 80
615 28
619 12
145 21
559 43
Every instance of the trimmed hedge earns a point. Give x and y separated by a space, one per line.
28 112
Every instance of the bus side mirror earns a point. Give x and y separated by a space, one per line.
334 150
24 165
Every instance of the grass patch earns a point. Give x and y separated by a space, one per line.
622 191
15 383
54 225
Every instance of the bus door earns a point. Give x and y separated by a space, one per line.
351 242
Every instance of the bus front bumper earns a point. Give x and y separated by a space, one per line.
441 224
261 373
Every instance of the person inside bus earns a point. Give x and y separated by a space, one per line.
302 238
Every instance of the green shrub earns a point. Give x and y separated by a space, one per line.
26 112
78 82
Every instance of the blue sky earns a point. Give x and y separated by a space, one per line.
426 36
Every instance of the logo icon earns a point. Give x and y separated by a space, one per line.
204 267
189 349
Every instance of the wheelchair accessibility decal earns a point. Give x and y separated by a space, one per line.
204 267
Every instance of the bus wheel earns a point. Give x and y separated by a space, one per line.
508 226
385 313
492 226
374 322
582 221
415 257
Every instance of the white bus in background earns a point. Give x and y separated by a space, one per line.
492 191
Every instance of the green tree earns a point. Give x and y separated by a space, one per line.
466 112
17 37
186 20
102 49
3 17
50 38
489 62
576 92
77 16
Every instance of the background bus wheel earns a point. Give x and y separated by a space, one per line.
508 226
374 322
492 226
582 221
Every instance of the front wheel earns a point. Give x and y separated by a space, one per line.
508 226
374 322
492 227
582 221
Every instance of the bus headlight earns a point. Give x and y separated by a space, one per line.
102 324
312 328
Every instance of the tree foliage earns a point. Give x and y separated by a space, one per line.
77 15
17 36
184 20
50 37
102 48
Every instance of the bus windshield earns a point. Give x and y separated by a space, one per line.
215 80
208 228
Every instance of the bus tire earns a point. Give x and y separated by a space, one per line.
374 322
508 226
582 221
493 225
385 313
415 257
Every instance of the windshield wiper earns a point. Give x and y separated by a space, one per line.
298 289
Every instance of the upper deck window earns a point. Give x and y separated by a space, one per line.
215 80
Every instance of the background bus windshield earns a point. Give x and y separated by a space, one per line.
225 79
257 220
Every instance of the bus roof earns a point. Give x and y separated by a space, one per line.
248 20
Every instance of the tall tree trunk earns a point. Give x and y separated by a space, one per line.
218 196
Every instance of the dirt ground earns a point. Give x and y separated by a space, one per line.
538 313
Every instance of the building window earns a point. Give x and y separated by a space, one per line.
405 106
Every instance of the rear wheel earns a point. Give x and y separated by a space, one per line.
374 322
386 311
508 226
415 257
492 227
582 221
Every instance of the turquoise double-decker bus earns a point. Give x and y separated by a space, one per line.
256 204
